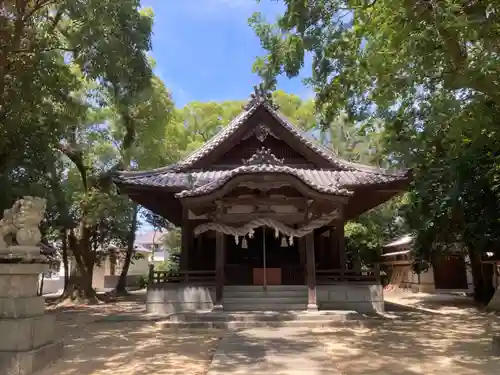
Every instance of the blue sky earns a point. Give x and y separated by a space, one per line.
204 49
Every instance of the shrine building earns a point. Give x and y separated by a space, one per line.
262 209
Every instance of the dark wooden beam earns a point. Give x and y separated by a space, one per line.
311 273
219 270
185 235
302 253
340 234
269 201
295 218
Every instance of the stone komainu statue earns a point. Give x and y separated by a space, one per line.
20 224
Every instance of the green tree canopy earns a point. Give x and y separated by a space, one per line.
429 71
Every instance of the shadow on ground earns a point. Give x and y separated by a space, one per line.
96 347
134 348
413 343
416 343
280 351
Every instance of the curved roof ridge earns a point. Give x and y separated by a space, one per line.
218 138
262 169
327 153
206 147
149 172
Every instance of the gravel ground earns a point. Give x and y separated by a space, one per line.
451 336
94 347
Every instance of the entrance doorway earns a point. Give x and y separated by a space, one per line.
263 261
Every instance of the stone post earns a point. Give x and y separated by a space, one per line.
27 341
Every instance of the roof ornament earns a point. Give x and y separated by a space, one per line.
260 94
263 156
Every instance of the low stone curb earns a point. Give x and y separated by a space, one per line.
404 307
130 318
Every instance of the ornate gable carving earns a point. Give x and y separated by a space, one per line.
261 132
263 156
260 95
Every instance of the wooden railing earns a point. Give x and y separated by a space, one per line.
242 275
163 277
348 275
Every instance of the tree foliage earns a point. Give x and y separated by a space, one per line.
41 43
429 70
77 101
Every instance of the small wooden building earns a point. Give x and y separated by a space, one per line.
262 209
448 272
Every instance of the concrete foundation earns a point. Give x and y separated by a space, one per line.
360 297
27 343
175 298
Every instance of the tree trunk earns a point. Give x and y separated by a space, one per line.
482 278
64 238
120 288
79 288
40 290
79 285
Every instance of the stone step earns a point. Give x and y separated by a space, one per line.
264 324
271 306
261 294
269 288
278 300
263 316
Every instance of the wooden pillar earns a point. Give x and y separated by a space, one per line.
356 260
339 231
185 240
311 273
302 253
219 270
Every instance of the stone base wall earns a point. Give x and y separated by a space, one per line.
27 343
172 298
360 297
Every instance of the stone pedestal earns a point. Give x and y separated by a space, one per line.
26 335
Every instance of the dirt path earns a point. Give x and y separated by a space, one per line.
94 347
421 343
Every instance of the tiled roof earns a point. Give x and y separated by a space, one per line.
198 183
316 179
337 180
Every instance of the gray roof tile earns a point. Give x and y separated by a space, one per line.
337 180
199 183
